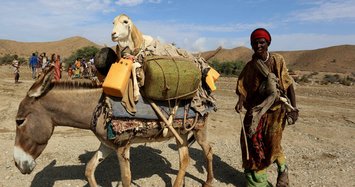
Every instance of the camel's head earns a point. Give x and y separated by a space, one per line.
125 32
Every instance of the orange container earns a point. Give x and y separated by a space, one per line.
211 78
215 75
117 78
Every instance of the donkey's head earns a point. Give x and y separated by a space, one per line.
33 127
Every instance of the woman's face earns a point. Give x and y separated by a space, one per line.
260 46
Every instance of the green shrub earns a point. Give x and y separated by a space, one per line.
305 78
331 78
8 58
228 68
347 81
312 74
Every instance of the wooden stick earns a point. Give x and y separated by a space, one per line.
171 117
171 128
245 135
284 100
213 54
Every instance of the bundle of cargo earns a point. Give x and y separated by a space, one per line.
169 78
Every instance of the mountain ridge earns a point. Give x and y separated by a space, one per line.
338 59
64 47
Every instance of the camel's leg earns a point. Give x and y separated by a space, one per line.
201 138
125 167
99 156
184 160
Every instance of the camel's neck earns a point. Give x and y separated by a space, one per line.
73 108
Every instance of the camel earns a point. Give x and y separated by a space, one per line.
46 106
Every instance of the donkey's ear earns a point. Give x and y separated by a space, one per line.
42 83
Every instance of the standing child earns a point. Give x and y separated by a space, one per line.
16 66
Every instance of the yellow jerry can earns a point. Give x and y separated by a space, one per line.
117 78
211 78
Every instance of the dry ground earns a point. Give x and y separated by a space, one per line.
319 148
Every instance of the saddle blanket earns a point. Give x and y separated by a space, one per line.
145 110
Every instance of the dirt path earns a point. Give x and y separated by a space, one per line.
320 147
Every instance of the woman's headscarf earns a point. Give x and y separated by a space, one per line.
260 33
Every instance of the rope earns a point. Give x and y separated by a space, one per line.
193 124
165 81
178 80
184 95
97 112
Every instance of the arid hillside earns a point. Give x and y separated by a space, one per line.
337 59
63 47
319 147
238 53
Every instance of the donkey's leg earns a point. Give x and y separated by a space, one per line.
201 137
99 156
125 167
184 160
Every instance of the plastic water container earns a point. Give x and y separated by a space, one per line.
211 78
117 78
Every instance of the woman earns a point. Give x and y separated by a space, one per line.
264 129
55 60
77 70
57 68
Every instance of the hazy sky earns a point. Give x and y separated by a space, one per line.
196 25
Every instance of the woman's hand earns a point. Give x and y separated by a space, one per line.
292 116
239 106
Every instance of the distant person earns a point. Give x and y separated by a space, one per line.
44 61
91 66
16 65
33 62
57 68
92 60
52 60
261 84
83 66
70 72
39 66
77 65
